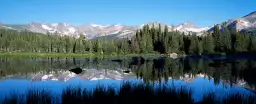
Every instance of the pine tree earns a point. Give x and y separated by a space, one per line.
217 38
227 40
124 46
199 46
142 42
159 32
149 44
239 44
135 45
193 44
165 40
246 40
187 43
252 44
181 44
99 46
208 44
166 44
173 42
74 48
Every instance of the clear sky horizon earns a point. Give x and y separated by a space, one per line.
128 12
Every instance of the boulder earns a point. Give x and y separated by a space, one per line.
126 71
76 70
173 55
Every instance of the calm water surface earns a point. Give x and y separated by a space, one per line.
202 75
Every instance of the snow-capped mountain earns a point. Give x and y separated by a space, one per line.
92 31
95 30
185 27
189 27
61 28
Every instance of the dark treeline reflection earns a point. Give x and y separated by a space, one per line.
227 71
230 72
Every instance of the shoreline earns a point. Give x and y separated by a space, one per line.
98 55
84 55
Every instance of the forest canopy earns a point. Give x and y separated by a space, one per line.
146 40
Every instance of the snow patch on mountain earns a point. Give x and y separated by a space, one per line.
46 27
97 25
72 29
197 29
179 27
245 23
189 27
7 27
125 34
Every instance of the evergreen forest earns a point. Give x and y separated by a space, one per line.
155 40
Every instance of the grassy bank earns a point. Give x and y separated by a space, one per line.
127 94
86 55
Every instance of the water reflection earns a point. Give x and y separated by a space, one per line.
200 73
87 74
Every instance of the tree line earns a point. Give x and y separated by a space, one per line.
225 40
155 39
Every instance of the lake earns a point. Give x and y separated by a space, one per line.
202 75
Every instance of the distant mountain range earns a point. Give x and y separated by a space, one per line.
91 31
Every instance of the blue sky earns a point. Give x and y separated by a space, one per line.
129 12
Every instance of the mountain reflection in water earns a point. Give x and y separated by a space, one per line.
198 73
